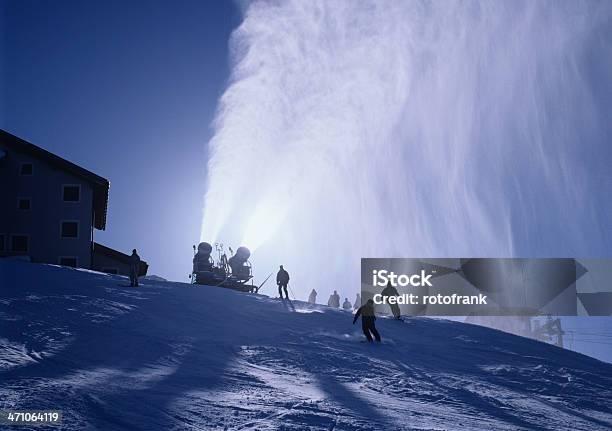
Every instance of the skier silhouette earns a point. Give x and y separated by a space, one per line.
282 279
334 300
134 268
346 304
312 298
357 303
368 317
392 291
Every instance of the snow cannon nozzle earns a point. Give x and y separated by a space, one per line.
239 263
202 261
233 272
243 254
205 247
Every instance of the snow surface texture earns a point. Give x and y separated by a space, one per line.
170 356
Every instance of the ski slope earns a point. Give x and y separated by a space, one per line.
171 356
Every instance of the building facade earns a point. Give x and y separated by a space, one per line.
50 206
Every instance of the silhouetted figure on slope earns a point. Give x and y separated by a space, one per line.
134 268
334 300
346 304
368 317
282 279
357 303
312 298
392 291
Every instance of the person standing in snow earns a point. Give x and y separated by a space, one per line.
357 303
368 317
282 280
334 300
312 298
392 291
134 268
346 304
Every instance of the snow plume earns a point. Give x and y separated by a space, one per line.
357 129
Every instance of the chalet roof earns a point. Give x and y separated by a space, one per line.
99 185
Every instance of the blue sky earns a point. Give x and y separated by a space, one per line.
127 90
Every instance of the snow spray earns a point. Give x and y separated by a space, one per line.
412 129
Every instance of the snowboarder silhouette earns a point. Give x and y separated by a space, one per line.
134 268
282 279
368 316
312 298
357 303
392 291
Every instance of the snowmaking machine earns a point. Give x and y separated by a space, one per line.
234 272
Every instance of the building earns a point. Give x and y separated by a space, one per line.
50 207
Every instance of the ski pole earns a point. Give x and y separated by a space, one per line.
290 290
264 282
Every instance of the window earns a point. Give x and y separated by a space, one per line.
68 261
26 169
24 203
110 270
71 193
2 242
19 243
70 229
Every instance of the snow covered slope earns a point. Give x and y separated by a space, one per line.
173 356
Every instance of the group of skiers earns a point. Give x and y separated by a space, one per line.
334 300
366 311
282 281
